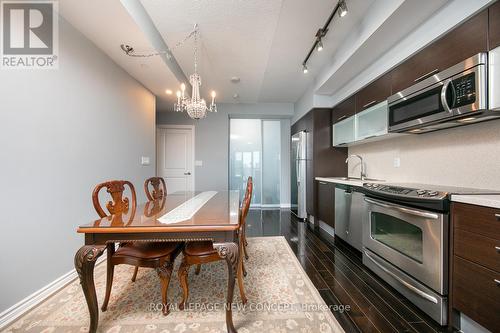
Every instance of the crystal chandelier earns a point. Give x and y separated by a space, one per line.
195 106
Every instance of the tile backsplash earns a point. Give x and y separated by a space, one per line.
467 156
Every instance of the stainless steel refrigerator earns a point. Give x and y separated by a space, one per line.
298 172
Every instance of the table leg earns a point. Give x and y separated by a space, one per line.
230 252
85 260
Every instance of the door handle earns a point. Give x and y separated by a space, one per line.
425 76
187 173
410 287
409 211
341 117
369 104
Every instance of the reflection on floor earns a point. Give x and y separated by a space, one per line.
338 273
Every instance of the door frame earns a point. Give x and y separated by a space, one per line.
192 128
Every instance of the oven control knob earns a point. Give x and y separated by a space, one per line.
368 185
421 192
374 185
433 193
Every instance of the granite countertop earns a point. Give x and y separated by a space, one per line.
486 200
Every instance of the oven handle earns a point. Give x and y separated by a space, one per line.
410 211
414 289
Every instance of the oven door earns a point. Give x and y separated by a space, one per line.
413 240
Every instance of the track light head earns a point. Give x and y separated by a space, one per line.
319 48
342 8
304 69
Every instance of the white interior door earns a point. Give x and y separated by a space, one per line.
176 157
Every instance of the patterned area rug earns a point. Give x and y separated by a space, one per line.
281 299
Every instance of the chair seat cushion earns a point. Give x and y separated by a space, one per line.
147 250
199 248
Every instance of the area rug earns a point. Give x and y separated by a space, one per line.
281 299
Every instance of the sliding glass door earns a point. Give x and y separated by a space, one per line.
255 150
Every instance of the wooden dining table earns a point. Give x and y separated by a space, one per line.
181 216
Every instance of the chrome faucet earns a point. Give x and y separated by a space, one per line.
363 174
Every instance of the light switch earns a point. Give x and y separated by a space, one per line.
198 163
397 162
145 160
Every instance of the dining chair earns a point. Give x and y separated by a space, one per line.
155 196
197 253
158 255
156 192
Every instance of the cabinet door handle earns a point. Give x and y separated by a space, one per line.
341 117
497 248
497 282
425 76
497 216
323 183
369 104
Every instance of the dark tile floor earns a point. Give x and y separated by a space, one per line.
340 277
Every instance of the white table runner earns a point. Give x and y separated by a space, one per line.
186 210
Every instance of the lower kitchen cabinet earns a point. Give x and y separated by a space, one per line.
475 266
326 203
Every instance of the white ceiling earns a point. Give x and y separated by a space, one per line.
261 41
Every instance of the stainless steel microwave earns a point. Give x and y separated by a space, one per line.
441 99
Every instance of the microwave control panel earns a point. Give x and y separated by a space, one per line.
464 90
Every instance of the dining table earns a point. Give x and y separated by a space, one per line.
184 216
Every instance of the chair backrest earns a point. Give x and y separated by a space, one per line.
245 205
118 204
159 190
248 193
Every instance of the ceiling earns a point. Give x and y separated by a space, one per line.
263 42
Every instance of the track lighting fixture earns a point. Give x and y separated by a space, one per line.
320 45
341 9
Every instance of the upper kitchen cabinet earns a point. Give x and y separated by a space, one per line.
374 93
494 27
459 44
344 109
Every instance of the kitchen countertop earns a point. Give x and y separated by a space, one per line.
486 200
350 182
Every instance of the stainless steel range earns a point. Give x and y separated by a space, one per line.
405 240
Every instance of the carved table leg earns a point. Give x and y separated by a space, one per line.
85 260
229 251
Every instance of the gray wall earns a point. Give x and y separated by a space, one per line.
212 141
62 132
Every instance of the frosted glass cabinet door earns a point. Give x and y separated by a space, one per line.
372 122
343 132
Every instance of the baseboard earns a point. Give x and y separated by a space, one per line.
17 310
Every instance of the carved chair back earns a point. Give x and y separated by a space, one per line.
159 190
118 204
248 194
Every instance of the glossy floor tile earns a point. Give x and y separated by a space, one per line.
337 271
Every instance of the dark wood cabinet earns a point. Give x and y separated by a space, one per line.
494 25
475 264
344 109
374 93
459 44
326 203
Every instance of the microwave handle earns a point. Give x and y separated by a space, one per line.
446 84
